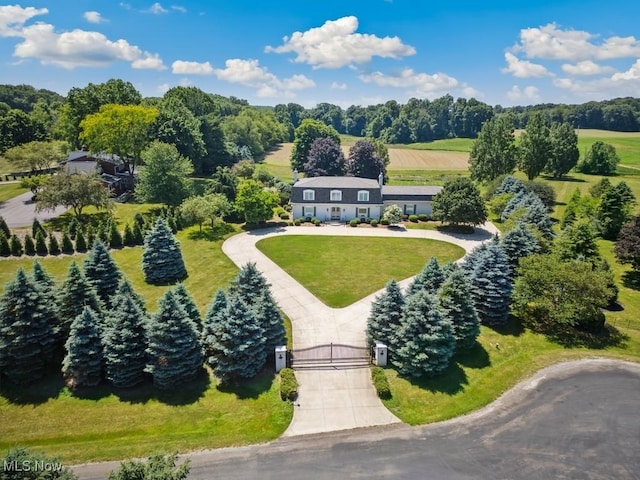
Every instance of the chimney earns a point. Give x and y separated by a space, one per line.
295 175
380 179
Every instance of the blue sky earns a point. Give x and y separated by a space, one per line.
344 52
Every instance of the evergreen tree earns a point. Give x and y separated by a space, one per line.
5 248
54 246
272 323
472 258
249 283
456 306
183 297
239 348
36 227
103 232
518 243
138 237
81 243
384 319
67 244
425 339
43 279
125 288
577 241
75 293
614 210
138 218
128 239
429 279
4 228
212 328
84 362
29 246
115 237
101 270
174 352
28 330
90 236
510 184
73 227
21 456
491 285
162 261
16 246
41 245
125 341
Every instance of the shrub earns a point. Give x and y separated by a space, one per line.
284 216
381 383
67 244
81 243
5 249
115 237
413 218
544 191
384 221
41 245
29 246
354 222
16 246
288 384
316 222
54 246
423 217
297 222
374 223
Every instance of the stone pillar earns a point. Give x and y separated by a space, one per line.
281 357
380 354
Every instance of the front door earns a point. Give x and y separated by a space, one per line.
335 213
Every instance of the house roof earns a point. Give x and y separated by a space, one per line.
82 166
336 182
83 155
390 192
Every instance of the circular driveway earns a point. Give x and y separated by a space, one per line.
21 210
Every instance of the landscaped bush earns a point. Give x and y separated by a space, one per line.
413 218
374 223
67 244
297 222
423 217
288 384
29 246
384 221
54 246
381 383
354 222
16 246
284 216
5 249
41 245
316 222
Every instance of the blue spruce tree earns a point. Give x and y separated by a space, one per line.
269 317
456 306
75 293
162 261
101 270
518 243
181 293
212 328
384 319
429 279
84 363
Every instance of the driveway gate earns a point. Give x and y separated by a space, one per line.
329 354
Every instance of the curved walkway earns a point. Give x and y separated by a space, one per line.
21 210
331 399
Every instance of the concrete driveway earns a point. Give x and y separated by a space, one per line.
333 398
21 210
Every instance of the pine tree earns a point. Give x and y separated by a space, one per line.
29 246
115 237
138 237
491 285
183 297
429 279
138 219
16 246
384 319
510 184
90 236
269 317
537 215
472 258
518 243
456 306
249 283
36 227
240 345
4 228
81 243
212 327
43 279
75 293
125 288
104 229
425 339
41 245
73 227
84 362
174 352
5 248
125 341
162 261
28 330
101 270
67 244
128 239
54 246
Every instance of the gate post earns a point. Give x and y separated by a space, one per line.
281 357
380 354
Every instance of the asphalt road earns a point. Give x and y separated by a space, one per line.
574 420
21 210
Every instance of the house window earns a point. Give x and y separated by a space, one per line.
309 211
336 195
409 209
363 195
308 195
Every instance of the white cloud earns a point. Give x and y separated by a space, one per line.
250 73
80 48
93 17
179 8
524 68
552 43
181 67
633 74
586 68
157 9
13 18
124 5
335 44
619 84
529 93
339 86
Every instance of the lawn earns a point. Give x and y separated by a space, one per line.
10 190
342 270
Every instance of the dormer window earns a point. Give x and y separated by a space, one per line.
336 195
308 195
363 195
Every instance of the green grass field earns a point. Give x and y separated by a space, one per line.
10 190
342 270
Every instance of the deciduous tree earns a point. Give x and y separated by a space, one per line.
75 191
600 159
255 202
535 147
305 134
364 161
494 151
627 248
564 150
164 178
459 202
325 159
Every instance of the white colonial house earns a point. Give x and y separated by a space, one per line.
340 199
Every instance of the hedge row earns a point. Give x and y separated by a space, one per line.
381 383
288 384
